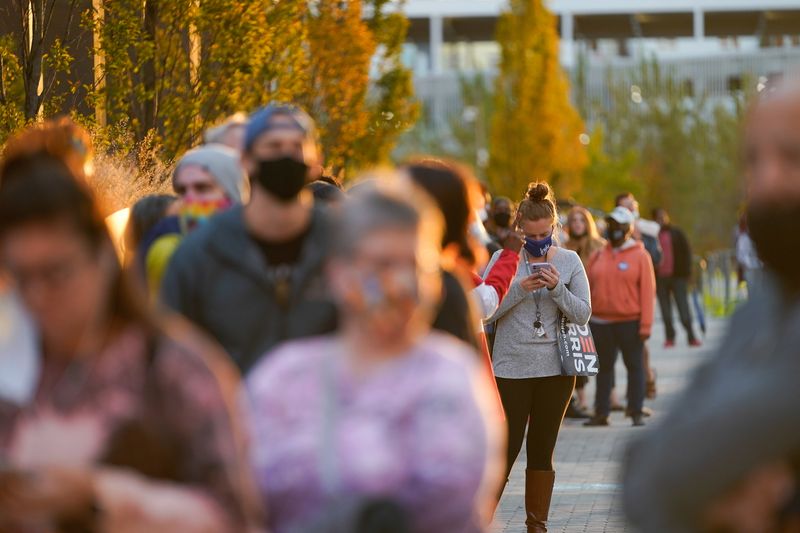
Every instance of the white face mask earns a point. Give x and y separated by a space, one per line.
478 230
19 354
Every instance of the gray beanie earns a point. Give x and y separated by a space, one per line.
223 163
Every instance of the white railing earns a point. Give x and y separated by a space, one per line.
715 76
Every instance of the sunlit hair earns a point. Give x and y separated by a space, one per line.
42 189
389 204
216 134
539 203
61 138
591 225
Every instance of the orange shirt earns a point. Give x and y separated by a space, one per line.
623 285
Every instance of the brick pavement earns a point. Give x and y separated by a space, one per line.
587 495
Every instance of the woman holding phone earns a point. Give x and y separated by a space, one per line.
550 281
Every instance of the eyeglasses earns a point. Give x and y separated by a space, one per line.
53 275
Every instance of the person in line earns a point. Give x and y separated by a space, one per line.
208 179
550 281
146 213
623 297
252 276
130 425
501 219
750 265
326 193
385 412
585 240
646 232
447 184
230 132
725 456
673 274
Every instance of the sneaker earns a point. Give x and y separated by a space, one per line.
638 420
646 411
576 412
694 343
669 344
596 421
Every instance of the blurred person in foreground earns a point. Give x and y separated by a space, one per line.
585 240
384 415
130 426
549 281
468 298
208 180
673 275
725 458
623 298
252 276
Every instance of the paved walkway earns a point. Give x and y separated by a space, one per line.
587 496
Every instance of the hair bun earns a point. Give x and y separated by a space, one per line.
538 192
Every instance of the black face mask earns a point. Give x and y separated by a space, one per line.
284 177
502 220
775 230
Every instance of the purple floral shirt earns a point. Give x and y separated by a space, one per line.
418 429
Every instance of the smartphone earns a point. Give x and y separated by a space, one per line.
536 268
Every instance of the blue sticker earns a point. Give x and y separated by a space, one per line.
623 266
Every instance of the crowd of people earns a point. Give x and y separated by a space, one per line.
274 352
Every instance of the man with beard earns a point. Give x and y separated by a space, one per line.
252 276
722 460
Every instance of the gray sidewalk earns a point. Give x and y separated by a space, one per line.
587 495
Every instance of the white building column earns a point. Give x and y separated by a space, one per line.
699 24
436 40
567 39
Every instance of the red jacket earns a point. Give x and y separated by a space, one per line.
623 285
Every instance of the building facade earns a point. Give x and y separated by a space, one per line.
710 45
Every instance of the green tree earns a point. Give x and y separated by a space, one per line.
672 148
536 131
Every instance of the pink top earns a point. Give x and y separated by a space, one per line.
157 408
417 429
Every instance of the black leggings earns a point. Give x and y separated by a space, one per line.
543 401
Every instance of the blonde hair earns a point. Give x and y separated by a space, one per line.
587 244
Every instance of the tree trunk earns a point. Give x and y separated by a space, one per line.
33 50
149 69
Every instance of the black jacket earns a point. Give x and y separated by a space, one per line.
681 253
219 280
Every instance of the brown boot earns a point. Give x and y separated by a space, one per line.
538 490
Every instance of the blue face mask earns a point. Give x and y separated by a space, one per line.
538 248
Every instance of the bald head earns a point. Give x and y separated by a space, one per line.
772 145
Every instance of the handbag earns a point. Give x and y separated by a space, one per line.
576 348
346 513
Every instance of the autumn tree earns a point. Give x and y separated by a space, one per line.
535 129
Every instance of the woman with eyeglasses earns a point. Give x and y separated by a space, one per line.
384 419
550 281
130 426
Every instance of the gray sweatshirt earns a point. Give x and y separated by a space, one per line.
739 412
517 352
